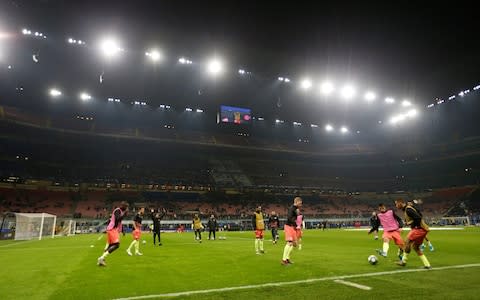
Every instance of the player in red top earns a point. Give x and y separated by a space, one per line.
113 231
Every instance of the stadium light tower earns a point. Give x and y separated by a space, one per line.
154 55
306 83
214 66
55 92
110 47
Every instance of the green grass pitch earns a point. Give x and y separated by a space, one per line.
65 268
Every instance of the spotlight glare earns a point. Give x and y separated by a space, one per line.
281 79
286 80
412 113
406 103
85 97
328 127
154 55
344 129
55 93
184 61
389 100
348 92
188 109
241 71
215 66
110 48
370 96
326 88
306 84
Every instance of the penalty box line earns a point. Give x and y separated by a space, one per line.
275 284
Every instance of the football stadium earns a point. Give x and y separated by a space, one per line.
239 150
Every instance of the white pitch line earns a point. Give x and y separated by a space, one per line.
282 283
353 284
18 243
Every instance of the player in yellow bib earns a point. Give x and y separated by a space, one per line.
259 227
197 228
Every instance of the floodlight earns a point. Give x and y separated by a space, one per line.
306 84
328 127
55 93
389 100
110 47
85 97
214 66
348 91
344 129
184 61
154 55
326 88
412 113
370 96
406 103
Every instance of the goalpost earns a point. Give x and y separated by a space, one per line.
66 228
34 225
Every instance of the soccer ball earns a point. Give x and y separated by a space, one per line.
144 242
372 259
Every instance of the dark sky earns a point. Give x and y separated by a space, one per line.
417 51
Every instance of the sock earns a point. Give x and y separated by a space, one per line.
261 245
286 251
105 254
106 247
289 251
385 248
137 244
425 261
404 257
256 245
131 245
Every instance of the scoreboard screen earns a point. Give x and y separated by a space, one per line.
236 115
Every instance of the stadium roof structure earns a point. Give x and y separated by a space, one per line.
343 64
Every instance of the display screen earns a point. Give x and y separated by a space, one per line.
236 115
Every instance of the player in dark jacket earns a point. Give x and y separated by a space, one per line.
374 224
212 227
157 218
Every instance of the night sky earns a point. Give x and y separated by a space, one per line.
406 50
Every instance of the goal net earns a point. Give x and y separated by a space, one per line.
34 226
